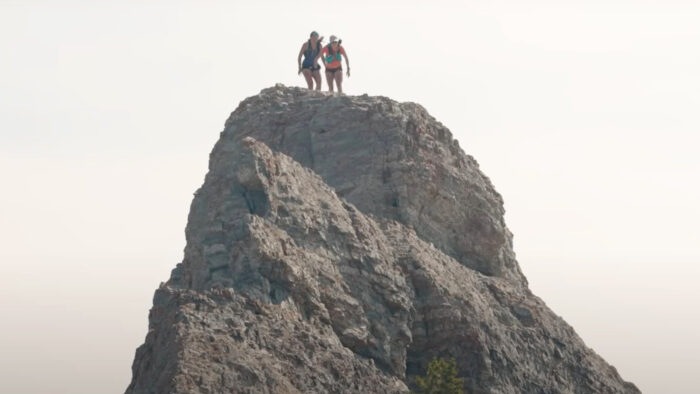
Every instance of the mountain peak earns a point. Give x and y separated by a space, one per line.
337 245
392 160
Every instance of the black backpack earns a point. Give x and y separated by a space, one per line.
307 53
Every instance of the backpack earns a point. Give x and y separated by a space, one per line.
309 50
329 59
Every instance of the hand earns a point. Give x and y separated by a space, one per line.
348 72
299 70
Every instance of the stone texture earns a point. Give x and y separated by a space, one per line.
391 160
337 245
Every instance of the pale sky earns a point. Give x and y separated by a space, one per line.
584 114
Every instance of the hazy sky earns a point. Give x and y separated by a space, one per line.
584 114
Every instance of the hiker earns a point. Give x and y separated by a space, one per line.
332 58
312 71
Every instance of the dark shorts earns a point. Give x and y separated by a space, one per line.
333 70
311 67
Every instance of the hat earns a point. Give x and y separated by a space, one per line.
313 33
334 38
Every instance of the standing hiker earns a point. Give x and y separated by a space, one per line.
333 54
311 49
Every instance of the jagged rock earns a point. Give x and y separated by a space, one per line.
391 160
337 245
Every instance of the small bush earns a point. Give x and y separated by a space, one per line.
441 378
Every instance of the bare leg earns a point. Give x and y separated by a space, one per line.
317 77
329 79
339 80
307 76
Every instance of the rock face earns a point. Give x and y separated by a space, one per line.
337 245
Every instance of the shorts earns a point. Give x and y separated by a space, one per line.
312 67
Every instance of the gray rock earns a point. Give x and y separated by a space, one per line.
391 160
337 245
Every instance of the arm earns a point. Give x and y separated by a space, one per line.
347 61
320 54
301 52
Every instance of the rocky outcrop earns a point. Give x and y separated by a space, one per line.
337 245
391 160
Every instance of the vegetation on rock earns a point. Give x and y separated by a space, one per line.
441 378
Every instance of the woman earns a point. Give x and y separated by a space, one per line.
311 49
333 60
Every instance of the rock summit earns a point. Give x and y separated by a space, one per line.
337 245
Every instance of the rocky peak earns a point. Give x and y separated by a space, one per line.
337 245
391 160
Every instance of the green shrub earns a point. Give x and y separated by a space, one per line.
441 378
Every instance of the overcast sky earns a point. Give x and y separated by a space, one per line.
584 114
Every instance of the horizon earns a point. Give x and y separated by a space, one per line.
582 114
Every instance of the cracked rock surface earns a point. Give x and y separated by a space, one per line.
337 245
